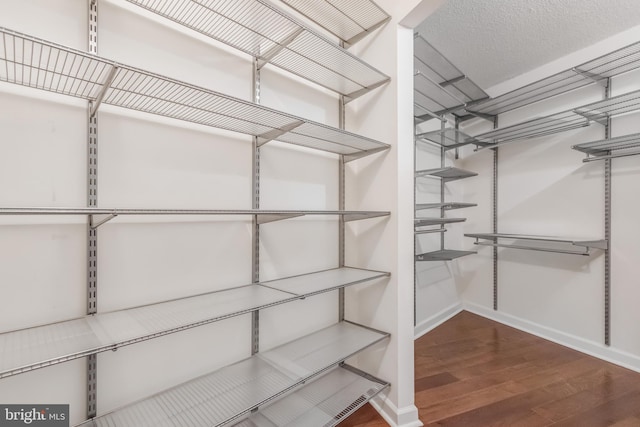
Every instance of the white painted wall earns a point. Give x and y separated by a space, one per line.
544 188
152 162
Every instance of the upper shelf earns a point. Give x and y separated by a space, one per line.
27 349
350 21
595 112
268 33
447 174
622 146
440 87
446 206
596 70
449 138
35 63
540 243
224 396
425 222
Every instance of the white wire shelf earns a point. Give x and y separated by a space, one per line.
325 402
425 222
446 174
596 112
440 87
539 243
263 216
349 21
227 394
28 349
262 30
609 65
443 255
450 138
622 146
36 63
446 206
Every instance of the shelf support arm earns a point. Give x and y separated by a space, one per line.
107 84
353 95
94 223
602 81
276 133
355 39
271 53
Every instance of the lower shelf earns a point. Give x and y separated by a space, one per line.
561 245
224 396
425 222
324 402
443 255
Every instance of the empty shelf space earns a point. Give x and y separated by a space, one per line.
609 65
35 63
325 402
622 146
449 138
539 243
27 349
425 222
439 85
596 112
446 206
264 31
443 255
447 174
349 21
225 395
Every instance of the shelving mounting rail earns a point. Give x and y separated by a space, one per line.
621 146
27 349
36 63
262 30
539 243
226 395
595 71
349 21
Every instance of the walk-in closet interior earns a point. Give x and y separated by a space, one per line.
244 212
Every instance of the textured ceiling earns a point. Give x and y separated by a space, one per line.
494 40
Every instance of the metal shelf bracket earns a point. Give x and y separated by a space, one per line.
276 133
96 221
94 105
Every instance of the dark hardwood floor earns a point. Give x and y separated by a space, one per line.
472 371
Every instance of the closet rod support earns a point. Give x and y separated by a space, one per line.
94 223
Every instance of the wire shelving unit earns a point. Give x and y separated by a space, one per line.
447 206
224 396
443 255
258 28
591 72
28 61
622 146
539 243
447 174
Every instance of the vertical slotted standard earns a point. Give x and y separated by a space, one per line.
442 165
92 233
255 204
607 228
495 219
341 206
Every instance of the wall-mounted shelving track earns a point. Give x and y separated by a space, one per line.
591 72
349 21
271 35
224 396
621 146
595 112
36 63
27 349
439 86
539 243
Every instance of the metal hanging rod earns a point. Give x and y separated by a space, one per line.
552 244
622 146
36 63
264 31
350 21
612 64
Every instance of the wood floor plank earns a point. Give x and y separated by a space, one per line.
474 372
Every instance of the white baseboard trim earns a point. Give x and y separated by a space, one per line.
436 320
405 417
592 348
